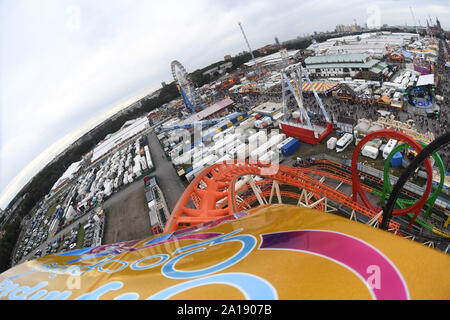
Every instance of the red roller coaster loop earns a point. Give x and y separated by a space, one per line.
415 208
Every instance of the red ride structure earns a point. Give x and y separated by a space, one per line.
304 130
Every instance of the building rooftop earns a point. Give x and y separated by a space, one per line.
338 58
118 137
68 174
378 67
369 65
209 110
372 43
425 80
270 59
268 107
346 61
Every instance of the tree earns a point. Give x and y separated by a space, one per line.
7 243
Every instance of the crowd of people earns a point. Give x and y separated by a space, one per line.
443 71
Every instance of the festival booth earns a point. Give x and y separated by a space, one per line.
421 96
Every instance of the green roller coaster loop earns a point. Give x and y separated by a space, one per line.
387 188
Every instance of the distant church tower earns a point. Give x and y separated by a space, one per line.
438 23
277 42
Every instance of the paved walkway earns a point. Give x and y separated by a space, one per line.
167 178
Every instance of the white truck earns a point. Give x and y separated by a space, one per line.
148 157
239 152
198 166
370 152
344 142
269 156
273 141
331 143
256 140
283 143
263 123
144 163
389 147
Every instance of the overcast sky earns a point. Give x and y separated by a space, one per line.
67 65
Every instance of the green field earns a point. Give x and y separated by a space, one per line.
80 236
51 210
105 224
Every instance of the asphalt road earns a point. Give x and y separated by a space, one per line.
168 180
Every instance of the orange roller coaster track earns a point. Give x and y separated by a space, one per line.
212 194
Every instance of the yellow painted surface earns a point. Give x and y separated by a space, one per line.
277 271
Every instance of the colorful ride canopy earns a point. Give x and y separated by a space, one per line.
271 252
320 87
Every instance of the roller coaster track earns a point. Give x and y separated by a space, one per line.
216 184
345 171
356 184
429 150
341 171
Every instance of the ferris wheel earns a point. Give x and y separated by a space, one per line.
184 83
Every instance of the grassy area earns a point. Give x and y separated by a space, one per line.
80 236
51 210
33 211
106 212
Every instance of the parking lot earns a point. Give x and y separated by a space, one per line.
127 215
41 242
